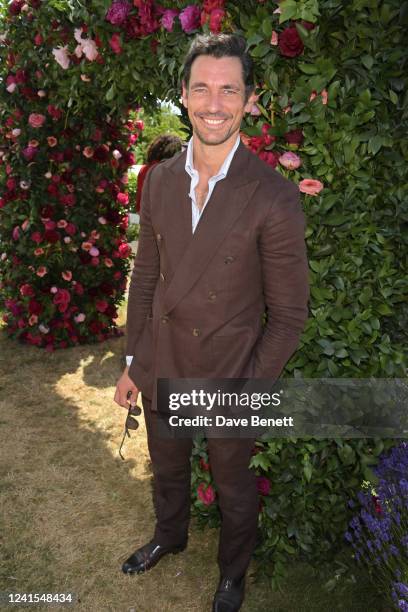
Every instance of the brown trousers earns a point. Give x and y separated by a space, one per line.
236 489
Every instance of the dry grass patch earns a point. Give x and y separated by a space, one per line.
72 511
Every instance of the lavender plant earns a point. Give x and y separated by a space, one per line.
378 533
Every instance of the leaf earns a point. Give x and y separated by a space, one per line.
288 10
393 97
367 61
110 94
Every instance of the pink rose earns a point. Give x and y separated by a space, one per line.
206 493
42 271
167 19
67 275
36 120
114 42
16 233
290 160
274 38
310 186
190 18
52 141
94 251
108 262
38 252
118 12
122 198
61 55
255 112
80 318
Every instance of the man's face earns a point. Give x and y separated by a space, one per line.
215 98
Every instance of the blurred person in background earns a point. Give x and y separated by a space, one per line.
162 147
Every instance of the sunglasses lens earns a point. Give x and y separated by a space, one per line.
131 423
135 411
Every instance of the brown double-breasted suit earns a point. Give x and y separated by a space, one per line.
196 303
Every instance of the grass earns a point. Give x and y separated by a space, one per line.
72 511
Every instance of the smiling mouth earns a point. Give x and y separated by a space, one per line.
213 122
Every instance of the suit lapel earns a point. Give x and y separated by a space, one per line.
228 200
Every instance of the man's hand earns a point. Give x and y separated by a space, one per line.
126 391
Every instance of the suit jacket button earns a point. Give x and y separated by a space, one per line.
229 259
162 277
196 332
164 319
212 296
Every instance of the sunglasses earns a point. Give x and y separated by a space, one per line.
130 423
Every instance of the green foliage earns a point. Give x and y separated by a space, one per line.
163 121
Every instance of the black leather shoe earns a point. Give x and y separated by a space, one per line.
229 595
147 556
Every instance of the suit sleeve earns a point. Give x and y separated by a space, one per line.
144 275
285 284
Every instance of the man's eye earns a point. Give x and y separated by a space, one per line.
229 91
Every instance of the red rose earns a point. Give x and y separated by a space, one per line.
204 465
290 43
263 485
269 157
216 17
101 153
294 137
15 7
36 237
101 305
124 250
206 493
26 290
35 307
51 236
114 42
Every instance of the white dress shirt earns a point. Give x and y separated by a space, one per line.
193 173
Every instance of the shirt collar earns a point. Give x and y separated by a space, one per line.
223 171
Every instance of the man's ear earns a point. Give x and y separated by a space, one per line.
253 98
184 95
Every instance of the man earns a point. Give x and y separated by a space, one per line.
221 241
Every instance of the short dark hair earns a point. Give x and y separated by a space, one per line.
221 45
163 147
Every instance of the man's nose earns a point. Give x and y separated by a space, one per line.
214 103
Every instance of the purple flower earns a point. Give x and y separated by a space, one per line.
190 18
403 605
168 19
402 588
118 12
348 536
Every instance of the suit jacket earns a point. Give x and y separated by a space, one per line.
196 301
